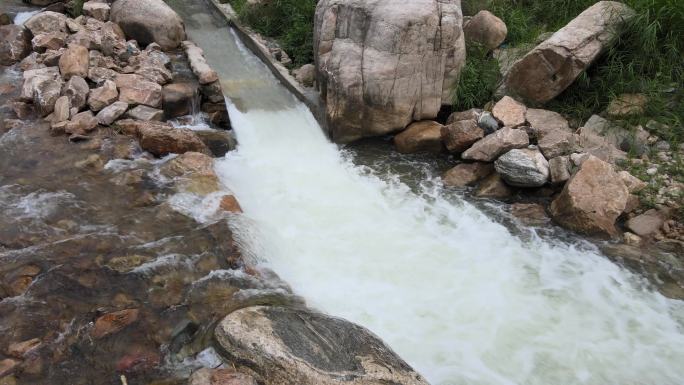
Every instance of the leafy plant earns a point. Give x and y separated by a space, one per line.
479 79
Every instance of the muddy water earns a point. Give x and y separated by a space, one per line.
87 229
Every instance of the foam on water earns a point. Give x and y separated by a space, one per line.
453 292
22 17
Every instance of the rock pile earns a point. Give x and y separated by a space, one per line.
85 73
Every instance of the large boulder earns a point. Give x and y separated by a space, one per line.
178 98
149 21
96 9
547 70
510 112
422 136
161 138
592 199
523 168
103 96
460 135
491 146
15 44
286 346
382 64
486 29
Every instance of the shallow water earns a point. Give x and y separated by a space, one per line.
453 291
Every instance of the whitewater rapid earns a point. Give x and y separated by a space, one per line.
454 293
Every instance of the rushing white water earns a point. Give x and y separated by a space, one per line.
22 17
454 293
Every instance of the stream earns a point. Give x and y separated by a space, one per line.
450 289
459 289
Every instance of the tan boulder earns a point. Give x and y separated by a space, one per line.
486 29
20 349
103 96
189 163
530 214
34 77
99 75
394 65
74 62
112 323
467 174
491 146
510 112
48 41
556 142
646 224
424 136
230 204
81 123
592 199
547 70
634 184
135 89
15 44
544 121
177 99
305 75
460 135
45 95
149 21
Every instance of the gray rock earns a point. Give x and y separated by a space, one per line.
488 123
486 29
77 90
647 223
286 346
111 113
306 75
523 168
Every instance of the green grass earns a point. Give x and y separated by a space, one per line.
479 79
648 58
289 22
75 8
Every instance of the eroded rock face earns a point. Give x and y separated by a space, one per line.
149 21
523 168
15 44
491 146
422 136
592 199
553 65
382 64
299 347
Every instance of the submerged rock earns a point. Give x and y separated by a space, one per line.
286 346
206 376
592 200
553 65
149 21
422 136
493 187
383 64
161 138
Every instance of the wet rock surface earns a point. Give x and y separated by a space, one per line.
295 346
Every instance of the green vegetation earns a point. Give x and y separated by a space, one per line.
289 22
75 8
647 59
479 78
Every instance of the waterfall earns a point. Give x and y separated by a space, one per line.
453 292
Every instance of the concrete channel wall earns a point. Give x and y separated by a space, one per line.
309 96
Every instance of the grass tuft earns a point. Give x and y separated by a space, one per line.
289 22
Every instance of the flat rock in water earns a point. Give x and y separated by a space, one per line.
287 346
